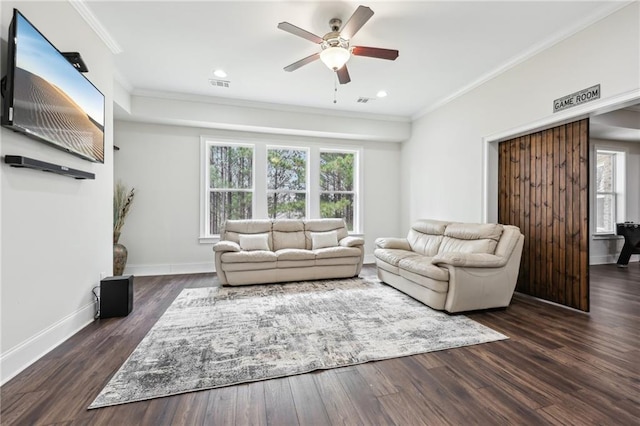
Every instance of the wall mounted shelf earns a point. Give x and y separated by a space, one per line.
30 163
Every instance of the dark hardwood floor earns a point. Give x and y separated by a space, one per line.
559 366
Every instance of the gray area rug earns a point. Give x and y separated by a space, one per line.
219 336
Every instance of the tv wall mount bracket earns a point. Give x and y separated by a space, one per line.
76 60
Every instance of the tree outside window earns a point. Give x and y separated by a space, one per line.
286 183
230 184
337 194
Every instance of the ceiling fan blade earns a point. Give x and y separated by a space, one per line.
375 52
343 75
285 26
357 20
294 66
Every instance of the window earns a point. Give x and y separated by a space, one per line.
609 206
230 184
270 179
337 189
286 183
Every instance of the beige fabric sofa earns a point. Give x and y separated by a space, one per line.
270 251
453 266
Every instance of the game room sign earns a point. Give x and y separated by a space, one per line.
578 98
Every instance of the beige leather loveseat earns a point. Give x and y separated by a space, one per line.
269 251
453 266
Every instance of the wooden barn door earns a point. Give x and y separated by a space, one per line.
543 189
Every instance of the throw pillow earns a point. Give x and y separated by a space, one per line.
251 242
324 239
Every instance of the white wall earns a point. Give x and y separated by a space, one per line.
162 162
442 163
607 250
242 115
56 232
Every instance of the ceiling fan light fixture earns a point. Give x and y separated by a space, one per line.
335 57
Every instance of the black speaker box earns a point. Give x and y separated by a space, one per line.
116 296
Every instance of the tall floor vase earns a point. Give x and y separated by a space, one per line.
119 255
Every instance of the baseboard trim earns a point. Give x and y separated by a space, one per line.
16 359
369 258
607 259
170 269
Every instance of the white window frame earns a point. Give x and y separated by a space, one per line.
618 193
306 191
205 183
357 179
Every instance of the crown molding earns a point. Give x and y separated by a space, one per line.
81 7
569 31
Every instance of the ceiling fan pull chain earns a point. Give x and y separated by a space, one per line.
335 88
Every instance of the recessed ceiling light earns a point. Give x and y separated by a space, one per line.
381 94
220 73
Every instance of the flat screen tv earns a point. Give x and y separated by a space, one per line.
47 99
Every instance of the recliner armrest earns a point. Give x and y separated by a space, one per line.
351 241
393 243
226 246
474 260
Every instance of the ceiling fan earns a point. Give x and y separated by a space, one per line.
336 50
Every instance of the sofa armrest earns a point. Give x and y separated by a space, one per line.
393 243
351 241
472 260
226 246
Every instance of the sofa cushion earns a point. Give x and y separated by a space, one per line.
381 264
393 256
426 282
251 242
248 266
324 225
424 244
288 225
425 236
421 265
430 226
474 231
338 251
323 239
295 254
285 240
345 260
484 245
246 226
471 238
249 256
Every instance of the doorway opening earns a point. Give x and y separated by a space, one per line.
615 128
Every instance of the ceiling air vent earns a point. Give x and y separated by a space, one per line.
219 83
363 100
